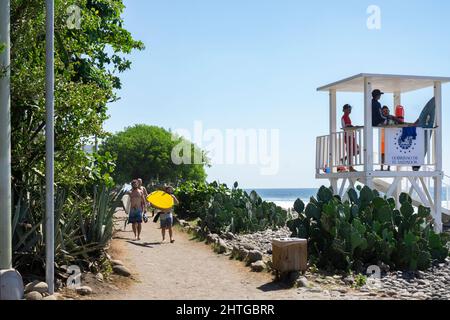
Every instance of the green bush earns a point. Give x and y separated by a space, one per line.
367 229
83 228
222 209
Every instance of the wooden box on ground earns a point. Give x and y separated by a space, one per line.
289 254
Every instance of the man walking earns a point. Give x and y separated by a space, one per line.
137 208
144 190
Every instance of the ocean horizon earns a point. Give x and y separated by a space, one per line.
285 197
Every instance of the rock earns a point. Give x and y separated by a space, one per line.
258 266
84 291
253 256
349 280
197 229
33 295
391 293
99 277
384 267
235 252
37 286
423 282
302 282
122 270
221 246
243 253
229 236
419 295
28 287
183 223
116 262
211 238
249 247
50 298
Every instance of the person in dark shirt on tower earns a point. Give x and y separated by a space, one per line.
377 114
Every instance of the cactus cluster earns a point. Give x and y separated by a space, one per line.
221 209
367 229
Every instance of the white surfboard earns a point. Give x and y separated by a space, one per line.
126 202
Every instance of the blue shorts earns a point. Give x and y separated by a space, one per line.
135 216
166 220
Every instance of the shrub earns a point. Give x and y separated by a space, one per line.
368 229
222 209
83 228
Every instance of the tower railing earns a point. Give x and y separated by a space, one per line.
344 150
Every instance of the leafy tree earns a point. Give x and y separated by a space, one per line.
146 152
87 63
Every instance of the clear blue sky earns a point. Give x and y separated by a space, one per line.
257 64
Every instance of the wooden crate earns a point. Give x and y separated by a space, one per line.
290 254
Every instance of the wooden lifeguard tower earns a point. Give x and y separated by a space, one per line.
360 147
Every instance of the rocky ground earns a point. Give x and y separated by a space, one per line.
256 250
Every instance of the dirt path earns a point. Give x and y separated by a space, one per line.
189 269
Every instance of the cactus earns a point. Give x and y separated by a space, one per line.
312 211
367 229
299 206
324 194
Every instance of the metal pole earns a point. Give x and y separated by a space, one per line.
49 148
5 140
438 148
368 133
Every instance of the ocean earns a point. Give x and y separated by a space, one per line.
285 198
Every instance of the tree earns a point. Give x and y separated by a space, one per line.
88 60
145 152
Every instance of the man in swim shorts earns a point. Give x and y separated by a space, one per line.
166 217
137 209
144 190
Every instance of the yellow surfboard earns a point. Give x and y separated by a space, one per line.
160 200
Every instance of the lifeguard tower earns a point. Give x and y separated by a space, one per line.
360 148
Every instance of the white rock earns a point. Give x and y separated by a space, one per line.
302 282
99 277
116 262
258 266
37 286
33 295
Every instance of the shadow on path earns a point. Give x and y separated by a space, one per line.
144 244
273 286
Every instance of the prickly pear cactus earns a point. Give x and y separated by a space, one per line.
368 229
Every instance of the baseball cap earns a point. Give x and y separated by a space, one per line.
376 92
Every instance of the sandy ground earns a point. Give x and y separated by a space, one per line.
189 269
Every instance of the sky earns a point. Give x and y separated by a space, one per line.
256 65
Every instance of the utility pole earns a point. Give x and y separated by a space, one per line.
11 285
50 148
5 140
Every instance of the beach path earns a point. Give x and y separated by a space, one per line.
188 269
